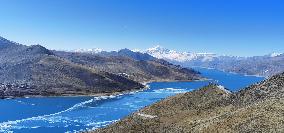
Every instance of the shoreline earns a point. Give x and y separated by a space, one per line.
146 86
231 72
75 95
196 80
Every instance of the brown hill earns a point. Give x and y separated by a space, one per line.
258 108
132 68
37 71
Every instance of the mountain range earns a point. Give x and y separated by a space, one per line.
257 108
37 71
266 65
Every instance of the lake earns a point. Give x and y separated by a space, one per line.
74 114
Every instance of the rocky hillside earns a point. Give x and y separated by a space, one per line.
135 66
35 70
258 108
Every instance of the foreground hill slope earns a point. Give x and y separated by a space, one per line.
258 108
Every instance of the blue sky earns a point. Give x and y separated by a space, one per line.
234 27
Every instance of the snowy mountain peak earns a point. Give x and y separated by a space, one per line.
172 55
274 54
137 50
158 48
91 51
161 53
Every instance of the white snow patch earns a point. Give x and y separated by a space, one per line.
137 50
91 51
163 53
223 88
123 74
147 116
274 54
170 90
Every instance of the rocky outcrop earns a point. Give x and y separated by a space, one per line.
258 108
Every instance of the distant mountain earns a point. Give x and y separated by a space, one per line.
266 65
35 70
128 53
90 51
123 52
157 52
172 55
258 65
133 65
274 54
257 108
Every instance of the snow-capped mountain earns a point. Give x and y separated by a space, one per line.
274 54
163 53
257 65
91 51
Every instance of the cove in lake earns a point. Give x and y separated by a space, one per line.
71 114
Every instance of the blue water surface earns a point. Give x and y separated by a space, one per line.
73 114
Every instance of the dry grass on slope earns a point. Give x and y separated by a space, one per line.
258 108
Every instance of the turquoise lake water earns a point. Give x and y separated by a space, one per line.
74 114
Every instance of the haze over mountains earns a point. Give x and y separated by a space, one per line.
35 70
265 65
